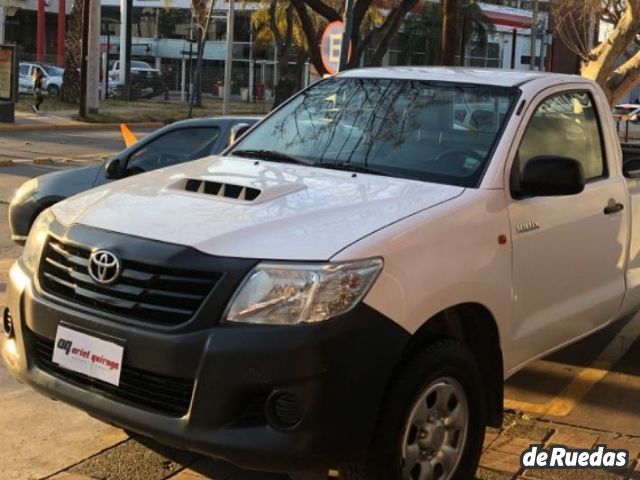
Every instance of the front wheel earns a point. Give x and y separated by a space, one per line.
53 90
432 422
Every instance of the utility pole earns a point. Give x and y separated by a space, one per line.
123 41
40 32
228 60
346 35
86 6
62 20
93 58
449 33
534 36
126 17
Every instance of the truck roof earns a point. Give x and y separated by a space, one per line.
502 78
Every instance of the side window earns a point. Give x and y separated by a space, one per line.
24 70
565 125
172 148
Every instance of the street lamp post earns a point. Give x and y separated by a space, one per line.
228 60
346 36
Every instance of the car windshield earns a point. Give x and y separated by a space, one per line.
52 70
433 131
136 64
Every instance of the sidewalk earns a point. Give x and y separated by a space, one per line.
503 448
60 120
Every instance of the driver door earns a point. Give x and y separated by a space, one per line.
568 251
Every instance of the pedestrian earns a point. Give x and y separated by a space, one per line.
38 89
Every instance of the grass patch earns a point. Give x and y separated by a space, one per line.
118 111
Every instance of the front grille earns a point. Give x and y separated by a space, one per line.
139 388
158 295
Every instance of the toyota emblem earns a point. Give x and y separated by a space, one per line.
104 267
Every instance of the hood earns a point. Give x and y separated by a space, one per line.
68 182
236 207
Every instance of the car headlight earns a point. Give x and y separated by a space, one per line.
35 240
291 294
25 189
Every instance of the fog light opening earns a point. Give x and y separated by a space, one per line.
7 323
284 410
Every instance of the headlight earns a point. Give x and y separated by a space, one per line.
25 189
35 240
290 294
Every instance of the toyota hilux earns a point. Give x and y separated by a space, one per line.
346 287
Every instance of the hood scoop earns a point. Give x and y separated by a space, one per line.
224 190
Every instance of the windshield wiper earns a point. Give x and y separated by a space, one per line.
273 155
352 167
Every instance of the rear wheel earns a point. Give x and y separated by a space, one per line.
432 422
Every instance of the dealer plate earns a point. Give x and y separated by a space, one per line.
88 355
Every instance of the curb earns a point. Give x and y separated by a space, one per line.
78 126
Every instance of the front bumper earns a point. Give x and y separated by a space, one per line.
331 375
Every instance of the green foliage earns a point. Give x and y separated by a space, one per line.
276 14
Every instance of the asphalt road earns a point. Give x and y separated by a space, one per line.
593 385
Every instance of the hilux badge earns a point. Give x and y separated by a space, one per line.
527 227
104 267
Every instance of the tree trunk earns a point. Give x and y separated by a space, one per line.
70 91
449 34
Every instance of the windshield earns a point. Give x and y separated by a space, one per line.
439 132
52 70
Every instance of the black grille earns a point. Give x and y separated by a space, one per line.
158 295
139 388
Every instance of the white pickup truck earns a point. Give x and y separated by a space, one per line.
348 285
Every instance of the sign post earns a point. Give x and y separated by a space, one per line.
8 83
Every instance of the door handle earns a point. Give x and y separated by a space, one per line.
615 208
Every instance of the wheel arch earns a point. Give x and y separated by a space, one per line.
474 325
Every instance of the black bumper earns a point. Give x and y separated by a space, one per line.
265 398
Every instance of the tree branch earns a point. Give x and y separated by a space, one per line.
324 10
273 21
310 33
387 30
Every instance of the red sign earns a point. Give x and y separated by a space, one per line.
331 46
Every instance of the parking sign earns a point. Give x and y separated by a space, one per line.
331 46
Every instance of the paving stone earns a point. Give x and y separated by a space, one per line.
573 438
206 468
621 443
489 437
485 474
575 474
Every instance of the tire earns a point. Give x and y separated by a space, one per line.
53 90
443 380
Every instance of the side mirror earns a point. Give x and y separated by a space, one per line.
548 176
114 169
236 132
631 168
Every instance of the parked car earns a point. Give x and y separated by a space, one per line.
146 81
349 284
626 111
52 77
176 143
